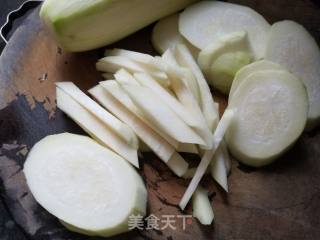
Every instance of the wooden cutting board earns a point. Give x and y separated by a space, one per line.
281 201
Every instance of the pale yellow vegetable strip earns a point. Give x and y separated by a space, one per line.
135 56
187 76
123 76
115 90
207 104
147 81
177 164
114 63
159 146
96 128
187 98
154 109
202 209
205 161
115 124
218 168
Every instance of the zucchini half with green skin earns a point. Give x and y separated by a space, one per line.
80 25
272 109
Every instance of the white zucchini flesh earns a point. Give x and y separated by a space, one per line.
221 59
133 55
206 21
228 43
271 114
168 58
208 107
165 35
161 115
185 96
218 135
178 165
95 127
202 209
291 46
159 146
84 184
155 142
117 92
108 119
220 165
125 77
146 80
147 61
112 64
187 99
244 72
218 168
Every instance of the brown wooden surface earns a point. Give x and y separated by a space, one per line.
281 201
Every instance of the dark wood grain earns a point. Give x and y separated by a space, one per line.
281 201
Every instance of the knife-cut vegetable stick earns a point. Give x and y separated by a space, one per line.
205 161
96 128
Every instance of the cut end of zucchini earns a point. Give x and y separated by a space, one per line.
84 184
292 46
271 114
79 25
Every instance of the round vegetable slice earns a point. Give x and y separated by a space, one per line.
291 46
84 184
244 72
271 111
221 60
206 21
166 35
